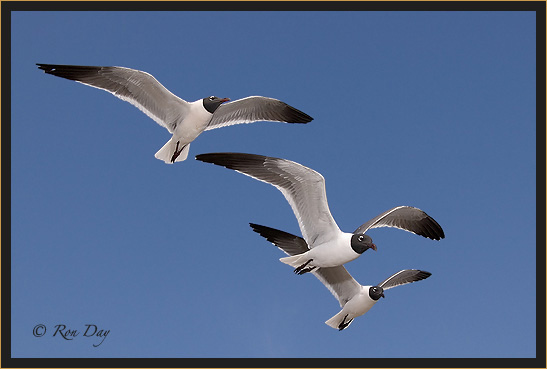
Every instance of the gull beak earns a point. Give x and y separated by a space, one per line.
373 247
225 99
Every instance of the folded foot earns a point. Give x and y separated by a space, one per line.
177 152
302 268
343 324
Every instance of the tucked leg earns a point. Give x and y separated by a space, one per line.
177 152
306 270
302 268
344 324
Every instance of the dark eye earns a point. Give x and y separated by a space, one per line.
212 98
361 238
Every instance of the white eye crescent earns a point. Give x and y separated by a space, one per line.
361 238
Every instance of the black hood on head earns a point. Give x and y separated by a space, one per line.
212 103
361 243
376 292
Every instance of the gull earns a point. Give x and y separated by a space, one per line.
185 120
304 189
355 299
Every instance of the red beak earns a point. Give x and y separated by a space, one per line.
225 99
373 247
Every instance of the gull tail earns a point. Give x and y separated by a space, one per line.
340 321
295 260
173 151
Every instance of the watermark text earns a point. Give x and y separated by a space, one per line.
89 331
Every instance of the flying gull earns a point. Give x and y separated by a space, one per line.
304 189
185 120
355 299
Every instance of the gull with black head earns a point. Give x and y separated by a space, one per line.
304 189
185 120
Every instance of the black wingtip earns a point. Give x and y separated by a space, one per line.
423 275
44 67
203 157
304 118
442 232
232 160
212 157
431 229
438 230
259 229
256 227
297 116
51 68
268 233
73 72
286 242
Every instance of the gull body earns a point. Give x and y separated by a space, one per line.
328 254
304 189
186 131
358 305
185 120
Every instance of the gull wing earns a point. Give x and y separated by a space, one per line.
253 109
134 86
303 188
406 218
403 277
339 282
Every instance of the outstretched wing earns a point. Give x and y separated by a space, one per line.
337 279
134 86
339 282
256 108
303 188
406 218
403 277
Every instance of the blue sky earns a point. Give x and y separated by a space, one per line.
434 110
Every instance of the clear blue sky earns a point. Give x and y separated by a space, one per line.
434 110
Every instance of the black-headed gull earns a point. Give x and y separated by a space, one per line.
185 120
355 299
304 189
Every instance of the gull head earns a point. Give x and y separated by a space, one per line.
361 243
375 292
212 103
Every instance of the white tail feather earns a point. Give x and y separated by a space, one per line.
336 320
167 151
294 261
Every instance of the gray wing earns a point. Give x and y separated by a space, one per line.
136 87
339 282
256 108
337 279
406 218
303 188
403 277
